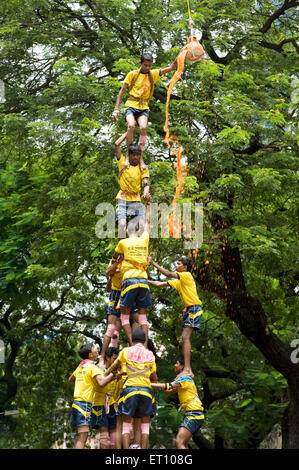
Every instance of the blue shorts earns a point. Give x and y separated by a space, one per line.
111 417
98 417
135 290
81 413
193 421
137 402
112 304
111 309
125 209
192 317
136 112
119 407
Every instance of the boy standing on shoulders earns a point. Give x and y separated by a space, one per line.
128 200
135 289
183 281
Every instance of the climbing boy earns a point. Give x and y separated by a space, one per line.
128 200
86 376
115 275
135 288
189 402
140 84
183 281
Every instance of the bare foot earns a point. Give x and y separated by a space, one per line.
187 372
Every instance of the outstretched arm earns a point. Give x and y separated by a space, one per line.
105 379
115 113
117 145
147 226
146 190
158 283
163 270
167 387
169 69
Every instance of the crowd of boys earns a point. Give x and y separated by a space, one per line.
115 395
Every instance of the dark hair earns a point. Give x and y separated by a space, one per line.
110 351
181 359
186 262
135 149
146 56
85 350
138 335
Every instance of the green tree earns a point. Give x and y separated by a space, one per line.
63 63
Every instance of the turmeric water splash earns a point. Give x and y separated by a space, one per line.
192 51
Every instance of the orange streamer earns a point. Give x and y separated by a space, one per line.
192 51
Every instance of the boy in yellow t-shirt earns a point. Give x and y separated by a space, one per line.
189 402
103 415
134 287
140 84
183 281
128 200
114 274
139 365
86 376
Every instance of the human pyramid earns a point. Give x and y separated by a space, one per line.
115 396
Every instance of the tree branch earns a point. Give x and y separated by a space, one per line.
280 11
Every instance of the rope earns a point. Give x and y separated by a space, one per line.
190 19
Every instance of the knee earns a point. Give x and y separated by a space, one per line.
110 330
104 439
142 129
131 127
179 441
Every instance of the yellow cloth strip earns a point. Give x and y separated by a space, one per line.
141 392
133 287
97 413
196 417
85 413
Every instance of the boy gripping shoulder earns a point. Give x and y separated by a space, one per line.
86 375
183 281
189 402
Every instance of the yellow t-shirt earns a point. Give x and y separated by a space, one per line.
116 280
134 359
135 249
186 288
100 392
141 89
85 382
118 389
130 180
188 395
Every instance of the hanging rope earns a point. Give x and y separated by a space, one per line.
190 20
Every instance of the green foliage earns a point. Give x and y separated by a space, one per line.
234 112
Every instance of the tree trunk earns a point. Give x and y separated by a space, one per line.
248 314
